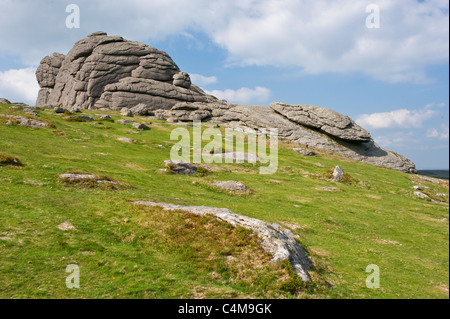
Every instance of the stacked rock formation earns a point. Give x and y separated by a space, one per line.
110 72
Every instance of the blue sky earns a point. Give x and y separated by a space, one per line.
393 80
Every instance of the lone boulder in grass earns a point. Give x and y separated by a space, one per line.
178 167
233 186
140 126
338 174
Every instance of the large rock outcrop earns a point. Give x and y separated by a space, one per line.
111 72
336 133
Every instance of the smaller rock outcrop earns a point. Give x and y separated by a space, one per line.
280 242
323 119
4 101
23 121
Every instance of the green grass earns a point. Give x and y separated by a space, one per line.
125 251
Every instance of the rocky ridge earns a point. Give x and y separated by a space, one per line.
109 72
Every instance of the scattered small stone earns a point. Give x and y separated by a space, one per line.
304 151
31 111
74 109
338 174
431 180
16 107
81 118
231 186
172 120
320 165
125 121
417 188
421 195
104 117
442 194
23 121
178 167
59 110
125 140
328 189
66 226
140 126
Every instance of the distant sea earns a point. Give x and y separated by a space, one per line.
436 173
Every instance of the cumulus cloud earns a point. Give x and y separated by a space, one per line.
19 85
314 36
402 118
202 80
243 95
443 134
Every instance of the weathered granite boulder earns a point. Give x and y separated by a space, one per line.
323 119
108 71
231 186
280 242
182 79
4 101
338 174
177 167
140 109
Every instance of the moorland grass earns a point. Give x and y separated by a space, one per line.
125 251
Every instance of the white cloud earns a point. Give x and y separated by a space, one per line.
243 95
402 118
432 133
19 85
202 80
315 36
443 135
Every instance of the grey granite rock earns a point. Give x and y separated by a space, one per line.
88 74
304 151
338 174
280 242
23 121
323 119
109 72
140 126
263 117
231 186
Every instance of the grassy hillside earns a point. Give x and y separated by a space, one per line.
125 251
